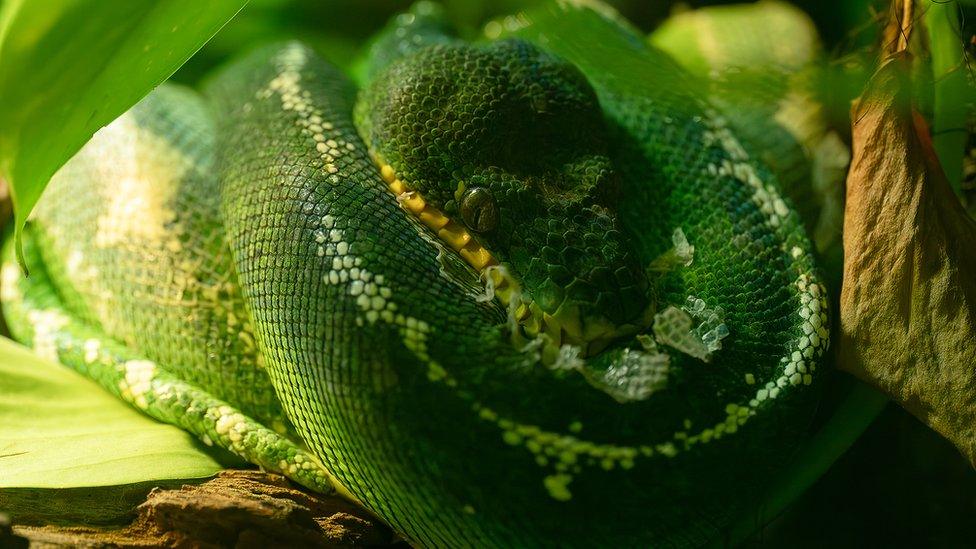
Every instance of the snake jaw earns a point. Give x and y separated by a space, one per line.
452 233
566 325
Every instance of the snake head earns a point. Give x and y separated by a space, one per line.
502 150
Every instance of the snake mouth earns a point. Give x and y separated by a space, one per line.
566 325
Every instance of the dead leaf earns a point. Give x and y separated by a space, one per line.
908 303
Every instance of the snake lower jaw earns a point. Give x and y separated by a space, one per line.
567 325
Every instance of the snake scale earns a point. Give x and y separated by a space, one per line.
502 292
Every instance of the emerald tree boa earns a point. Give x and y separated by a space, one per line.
525 290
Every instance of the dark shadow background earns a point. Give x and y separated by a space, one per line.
899 485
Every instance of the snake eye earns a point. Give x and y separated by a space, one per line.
479 211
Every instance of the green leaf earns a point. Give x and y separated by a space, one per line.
69 67
953 94
60 432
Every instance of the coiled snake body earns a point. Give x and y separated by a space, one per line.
503 295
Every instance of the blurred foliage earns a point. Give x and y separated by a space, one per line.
337 28
952 93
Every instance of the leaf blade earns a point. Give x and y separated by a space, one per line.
952 92
69 67
59 430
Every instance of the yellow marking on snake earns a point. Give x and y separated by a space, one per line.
451 232
564 326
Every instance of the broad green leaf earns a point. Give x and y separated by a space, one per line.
953 94
69 67
61 433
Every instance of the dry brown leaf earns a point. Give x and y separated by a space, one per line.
908 303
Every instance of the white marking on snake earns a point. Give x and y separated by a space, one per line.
374 298
92 350
288 85
139 189
47 324
798 364
137 383
10 279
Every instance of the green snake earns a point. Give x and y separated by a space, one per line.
502 293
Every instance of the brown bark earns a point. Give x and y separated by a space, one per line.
235 509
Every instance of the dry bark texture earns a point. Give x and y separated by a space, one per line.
244 509
908 303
